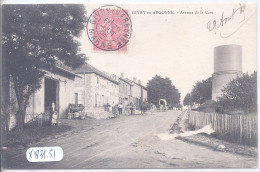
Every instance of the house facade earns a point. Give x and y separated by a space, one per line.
144 94
56 87
125 90
86 85
95 88
136 92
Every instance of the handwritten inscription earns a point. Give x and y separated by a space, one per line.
44 154
237 15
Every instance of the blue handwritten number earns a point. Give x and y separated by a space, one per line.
50 153
36 153
42 154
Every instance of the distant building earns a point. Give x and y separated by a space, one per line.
227 66
144 94
139 92
95 88
143 97
125 90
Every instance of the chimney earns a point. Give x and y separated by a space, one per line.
122 75
139 82
134 79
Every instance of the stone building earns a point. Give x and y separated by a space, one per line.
125 90
139 92
144 94
87 85
95 88
56 87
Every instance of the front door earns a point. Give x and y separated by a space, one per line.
51 94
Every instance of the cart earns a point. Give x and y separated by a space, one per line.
163 105
76 111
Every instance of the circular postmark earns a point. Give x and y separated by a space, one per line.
109 28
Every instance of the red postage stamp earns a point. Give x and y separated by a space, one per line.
109 28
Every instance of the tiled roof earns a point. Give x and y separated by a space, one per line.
87 68
66 69
128 82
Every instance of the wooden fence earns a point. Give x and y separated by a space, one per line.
235 128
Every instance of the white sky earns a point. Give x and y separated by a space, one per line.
178 46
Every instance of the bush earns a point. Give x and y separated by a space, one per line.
240 95
209 106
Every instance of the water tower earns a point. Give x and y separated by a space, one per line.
227 66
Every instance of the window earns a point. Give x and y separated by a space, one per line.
96 101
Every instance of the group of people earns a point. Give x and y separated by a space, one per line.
120 108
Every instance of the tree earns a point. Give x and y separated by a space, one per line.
35 39
202 91
187 101
162 88
240 94
179 106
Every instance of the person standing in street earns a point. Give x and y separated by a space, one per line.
120 108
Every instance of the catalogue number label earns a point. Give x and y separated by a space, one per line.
44 154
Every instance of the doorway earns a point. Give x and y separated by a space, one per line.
51 94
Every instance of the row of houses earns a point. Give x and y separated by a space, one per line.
95 88
86 85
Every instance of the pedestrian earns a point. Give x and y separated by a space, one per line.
151 108
54 115
110 108
120 108
132 108
54 118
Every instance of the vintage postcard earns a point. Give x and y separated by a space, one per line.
120 85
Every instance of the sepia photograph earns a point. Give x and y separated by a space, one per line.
125 85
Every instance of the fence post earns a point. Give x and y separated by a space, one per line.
241 129
249 120
41 119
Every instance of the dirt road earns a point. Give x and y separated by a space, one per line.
128 142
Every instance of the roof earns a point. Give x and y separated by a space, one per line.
61 68
87 68
135 83
126 81
66 69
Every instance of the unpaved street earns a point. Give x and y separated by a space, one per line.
129 142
